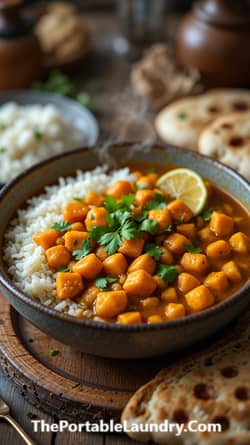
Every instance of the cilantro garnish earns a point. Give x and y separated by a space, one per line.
169 228
54 352
3 150
62 226
153 250
149 225
78 199
182 115
167 273
180 220
112 241
206 215
103 282
112 205
37 134
85 250
192 249
63 269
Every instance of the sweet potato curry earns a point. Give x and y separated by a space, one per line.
136 255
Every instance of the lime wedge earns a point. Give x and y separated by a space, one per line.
185 184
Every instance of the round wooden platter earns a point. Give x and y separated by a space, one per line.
69 385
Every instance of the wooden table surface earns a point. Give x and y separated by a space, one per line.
116 112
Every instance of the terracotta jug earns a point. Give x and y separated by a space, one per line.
215 39
20 53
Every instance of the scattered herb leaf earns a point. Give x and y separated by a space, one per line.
85 100
149 225
153 250
31 415
206 215
78 199
63 269
112 241
62 226
167 273
103 282
97 231
85 250
3 150
38 134
54 352
129 230
169 228
191 249
182 115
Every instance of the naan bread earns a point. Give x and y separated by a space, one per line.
181 122
210 387
228 140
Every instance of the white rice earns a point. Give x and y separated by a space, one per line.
26 262
29 134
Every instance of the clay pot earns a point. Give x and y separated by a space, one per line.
20 52
215 38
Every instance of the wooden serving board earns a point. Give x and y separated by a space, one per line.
71 384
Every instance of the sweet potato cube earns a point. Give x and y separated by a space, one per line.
97 216
115 265
189 230
162 216
194 262
147 181
139 284
46 239
169 294
143 196
216 281
150 303
109 304
145 262
68 285
206 235
75 211
179 210
240 243
174 311
232 271
154 319
89 295
186 282
132 248
74 239
120 188
94 199
199 298
166 256
176 243
58 256
160 283
101 253
218 249
221 224
78 226
129 318
88 267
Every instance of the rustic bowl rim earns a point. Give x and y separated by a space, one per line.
94 324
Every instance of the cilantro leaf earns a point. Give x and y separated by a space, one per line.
54 352
63 269
169 228
62 226
85 250
103 282
180 220
78 199
153 250
37 134
128 200
97 231
143 215
122 216
149 225
192 249
129 230
206 215
3 150
112 241
182 115
155 205
167 273
111 204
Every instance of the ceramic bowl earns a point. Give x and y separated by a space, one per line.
113 340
